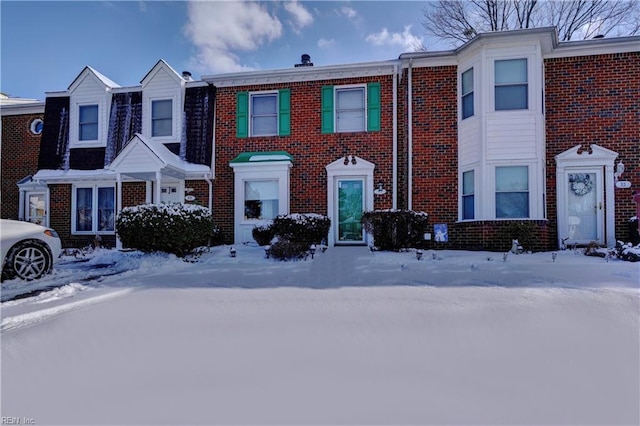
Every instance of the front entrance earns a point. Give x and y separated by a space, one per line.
35 209
169 194
586 196
584 209
350 204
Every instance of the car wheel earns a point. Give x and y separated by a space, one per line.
28 260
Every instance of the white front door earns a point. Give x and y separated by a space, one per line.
585 206
169 194
350 204
36 209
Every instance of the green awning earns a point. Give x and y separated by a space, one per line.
264 156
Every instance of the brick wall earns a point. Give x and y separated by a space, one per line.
20 150
588 103
435 144
200 191
133 193
311 149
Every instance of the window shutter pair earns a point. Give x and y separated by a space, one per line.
284 113
373 108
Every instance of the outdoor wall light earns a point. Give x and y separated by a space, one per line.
232 252
312 250
619 170
380 189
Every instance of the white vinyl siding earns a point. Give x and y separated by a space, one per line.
161 85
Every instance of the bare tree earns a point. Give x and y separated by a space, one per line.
458 21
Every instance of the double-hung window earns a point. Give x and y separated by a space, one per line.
354 108
162 117
468 195
512 192
261 199
467 93
511 84
88 123
94 209
263 113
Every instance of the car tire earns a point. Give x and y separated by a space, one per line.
28 260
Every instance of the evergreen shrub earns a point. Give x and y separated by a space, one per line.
394 230
309 228
285 250
173 228
263 233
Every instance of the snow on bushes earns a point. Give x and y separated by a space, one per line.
294 232
262 232
173 228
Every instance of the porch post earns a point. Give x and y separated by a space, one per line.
157 188
118 206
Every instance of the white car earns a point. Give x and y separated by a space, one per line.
28 250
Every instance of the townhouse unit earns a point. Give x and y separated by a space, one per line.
511 131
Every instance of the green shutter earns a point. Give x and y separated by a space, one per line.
373 107
242 114
284 112
327 109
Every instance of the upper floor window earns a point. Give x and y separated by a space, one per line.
468 195
511 90
467 93
162 117
512 192
351 108
263 113
88 122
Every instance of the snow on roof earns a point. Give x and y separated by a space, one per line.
250 157
73 174
105 80
169 158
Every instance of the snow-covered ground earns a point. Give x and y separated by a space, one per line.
350 337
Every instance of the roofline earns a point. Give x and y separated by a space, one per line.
597 46
36 107
297 74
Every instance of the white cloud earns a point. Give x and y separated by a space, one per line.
349 12
323 43
300 16
406 39
219 29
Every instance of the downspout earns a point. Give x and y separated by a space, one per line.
118 207
394 202
410 137
210 204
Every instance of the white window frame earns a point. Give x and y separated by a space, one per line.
74 123
470 92
173 116
526 83
530 207
474 194
244 193
94 207
251 114
349 87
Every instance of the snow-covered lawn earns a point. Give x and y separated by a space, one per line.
350 337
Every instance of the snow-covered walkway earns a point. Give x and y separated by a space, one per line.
220 341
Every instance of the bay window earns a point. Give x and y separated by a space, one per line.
512 192
467 93
511 84
261 199
468 195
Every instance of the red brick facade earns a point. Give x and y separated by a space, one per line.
586 103
20 150
311 149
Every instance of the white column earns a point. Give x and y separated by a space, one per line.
158 189
118 206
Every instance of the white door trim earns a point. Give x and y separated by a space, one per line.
572 160
349 167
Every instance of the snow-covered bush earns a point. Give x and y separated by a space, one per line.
173 228
395 229
634 236
262 232
627 251
309 228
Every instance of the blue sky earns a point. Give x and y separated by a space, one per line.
45 45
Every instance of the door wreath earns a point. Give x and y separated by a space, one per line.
581 184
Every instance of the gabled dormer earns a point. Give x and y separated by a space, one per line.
90 100
162 103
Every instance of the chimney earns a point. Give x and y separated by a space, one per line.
305 61
187 75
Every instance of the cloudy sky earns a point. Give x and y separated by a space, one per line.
45 45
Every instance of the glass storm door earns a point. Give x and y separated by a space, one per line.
585 207
36 210
350 206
